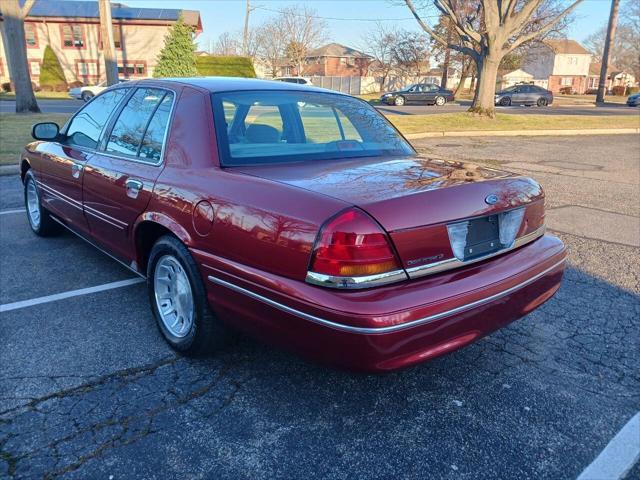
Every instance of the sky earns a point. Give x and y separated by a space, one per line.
228 15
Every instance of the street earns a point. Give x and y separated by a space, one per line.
70 106
89 389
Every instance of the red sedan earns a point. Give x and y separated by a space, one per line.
298 215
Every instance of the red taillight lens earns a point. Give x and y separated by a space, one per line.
353 245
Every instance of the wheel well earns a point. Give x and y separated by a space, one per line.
24 168
146 236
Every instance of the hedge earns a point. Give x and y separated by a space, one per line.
210 66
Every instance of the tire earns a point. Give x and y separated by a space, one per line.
440 101
39 218
86 96
399 101
172 274
505 101
542 102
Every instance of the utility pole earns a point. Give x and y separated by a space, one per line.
608 46
108 47
245 36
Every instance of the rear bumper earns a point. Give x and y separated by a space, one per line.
391 327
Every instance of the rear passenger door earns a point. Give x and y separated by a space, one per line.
120 177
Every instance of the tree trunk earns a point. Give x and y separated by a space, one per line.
108 47
464 73
484 101
14 42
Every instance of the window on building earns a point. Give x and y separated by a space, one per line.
135 69
30 35
72 36
34 67
117 36
567 81
88 69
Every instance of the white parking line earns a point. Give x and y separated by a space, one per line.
619 456
15 210
72 293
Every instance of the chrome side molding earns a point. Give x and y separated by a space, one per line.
347 283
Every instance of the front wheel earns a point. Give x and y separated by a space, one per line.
542 102
440 101
505 101
39 219
179 300
399 101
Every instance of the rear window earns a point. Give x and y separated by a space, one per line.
265 127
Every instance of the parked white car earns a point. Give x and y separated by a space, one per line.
298 80
88 92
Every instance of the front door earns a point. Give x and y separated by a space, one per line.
119 178
61 183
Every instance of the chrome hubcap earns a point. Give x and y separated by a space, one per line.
33 205
440 101
174 298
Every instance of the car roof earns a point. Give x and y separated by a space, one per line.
233 84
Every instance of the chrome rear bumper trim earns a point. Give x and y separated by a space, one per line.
451 263
388 329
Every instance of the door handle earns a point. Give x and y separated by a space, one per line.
133 187
76 168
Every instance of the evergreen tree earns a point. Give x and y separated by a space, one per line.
177 58
51 74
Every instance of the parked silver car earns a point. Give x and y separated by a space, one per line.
524 95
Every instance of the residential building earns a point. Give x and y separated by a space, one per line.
336 60
508 79
559 65
615 77
72 30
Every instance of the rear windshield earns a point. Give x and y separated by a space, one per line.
265 127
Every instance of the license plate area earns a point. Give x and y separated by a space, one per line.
483 237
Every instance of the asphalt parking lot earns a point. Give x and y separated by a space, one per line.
88 388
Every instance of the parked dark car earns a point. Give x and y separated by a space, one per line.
419 93
633 100
524 95
295 214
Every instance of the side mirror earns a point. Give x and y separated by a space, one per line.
45 131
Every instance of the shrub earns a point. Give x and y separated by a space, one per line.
619 90
51 75
566 90
7 87
209 66
632 90
591 91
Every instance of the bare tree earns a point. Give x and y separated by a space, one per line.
379 42
411 53
227 44
271 42
16 48
490 29
304 32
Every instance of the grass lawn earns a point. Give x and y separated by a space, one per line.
39 95
15 132
586 99
466 121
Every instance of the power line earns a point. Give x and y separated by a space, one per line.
343 19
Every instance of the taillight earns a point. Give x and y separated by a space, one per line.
353 251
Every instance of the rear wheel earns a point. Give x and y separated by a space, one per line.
179 300
542 102
399 101
39 219
505 101
86 96
440 101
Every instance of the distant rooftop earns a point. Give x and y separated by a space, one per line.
567 46
119 11
337 50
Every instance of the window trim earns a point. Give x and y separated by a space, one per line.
82 31
31 60
116 27
35 35
102 144
123 65
95 76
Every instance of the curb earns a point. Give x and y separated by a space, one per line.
523 133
